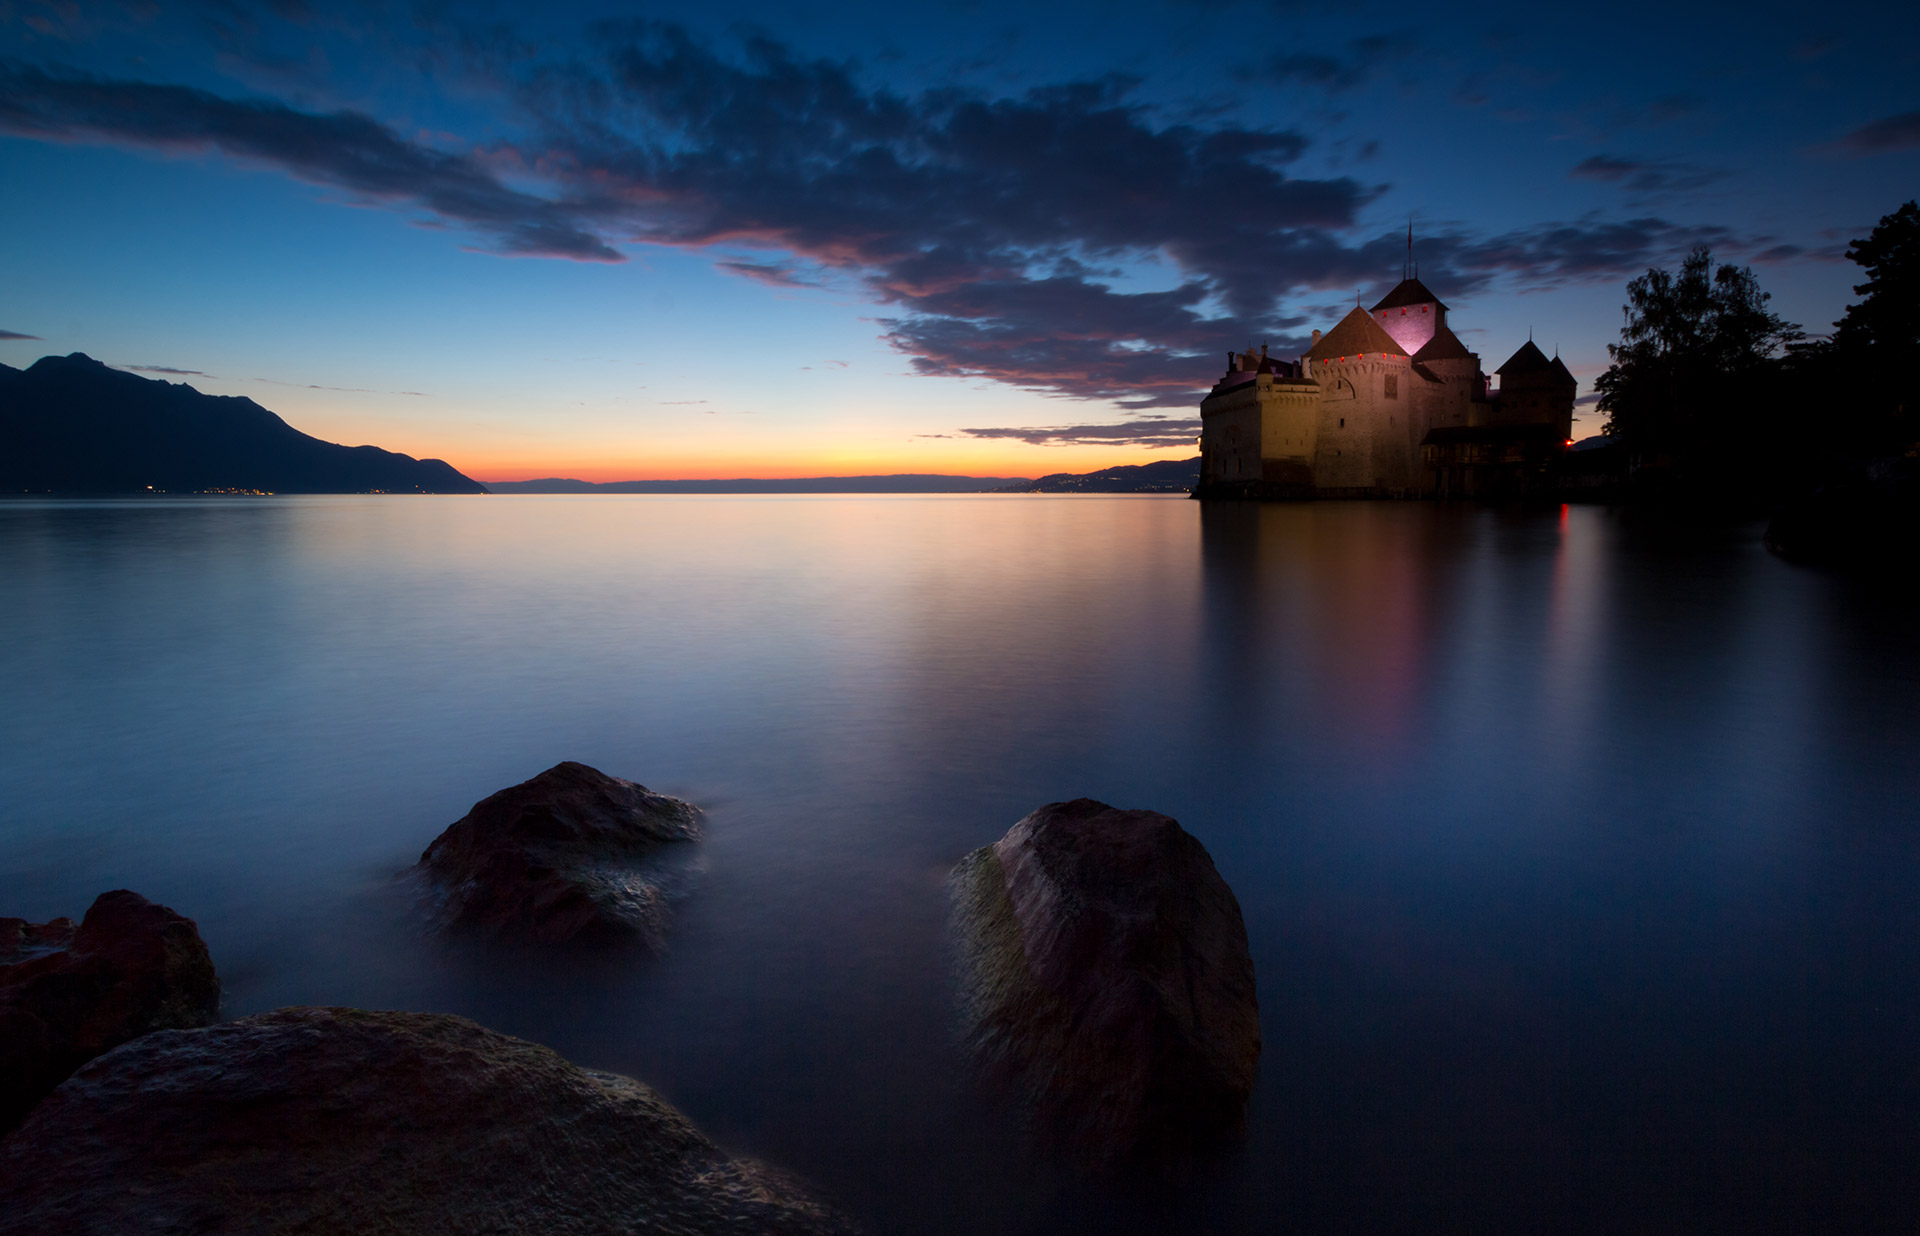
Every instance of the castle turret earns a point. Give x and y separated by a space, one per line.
1411 314
1365 433
1536 391
1452 387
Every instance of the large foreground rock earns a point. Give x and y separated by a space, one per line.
320 1120
573 852
1104 974
68 995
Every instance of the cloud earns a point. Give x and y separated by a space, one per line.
1472 92
1576 252
984 223
1359 62
1070 336
680 402
1605 167
1672 107
773 274
185 373
993 230
988 226
14 334
310 386
1646 176
343 149
1155 433
1901 132
945 205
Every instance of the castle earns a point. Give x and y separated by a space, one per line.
1387 403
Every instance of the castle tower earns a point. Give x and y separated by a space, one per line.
1411 314
1367 415
1453 387
1535 390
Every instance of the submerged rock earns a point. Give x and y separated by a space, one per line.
571 853
1104 975
342 1120
67 994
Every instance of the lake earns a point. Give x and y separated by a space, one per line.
1580 860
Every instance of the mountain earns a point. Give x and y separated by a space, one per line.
899 483
1165 476
69 424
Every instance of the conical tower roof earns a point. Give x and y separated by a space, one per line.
1409 292
1528 359
1356 334
1445 345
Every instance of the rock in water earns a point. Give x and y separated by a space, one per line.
571 853
341 1120
1104 974
68 995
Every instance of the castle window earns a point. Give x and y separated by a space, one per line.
1393 386
1343 422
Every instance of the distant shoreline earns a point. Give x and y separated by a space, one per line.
897 483
1161 476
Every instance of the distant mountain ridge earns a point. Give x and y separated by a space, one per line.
897 483
69 424
1163 476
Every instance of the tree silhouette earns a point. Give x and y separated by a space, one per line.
1717 398
1886 324
1693 350
1860 507
1865 371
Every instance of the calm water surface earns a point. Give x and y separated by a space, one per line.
1581 868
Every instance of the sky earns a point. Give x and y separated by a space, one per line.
708 240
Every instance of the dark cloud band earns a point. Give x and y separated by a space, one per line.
1144 433
341 149
1901 132
1000 232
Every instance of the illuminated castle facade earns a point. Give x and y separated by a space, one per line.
1387 403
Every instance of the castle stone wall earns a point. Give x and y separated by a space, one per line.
1365 443
1289 431
1230 438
